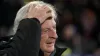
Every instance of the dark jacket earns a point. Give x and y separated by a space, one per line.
26 41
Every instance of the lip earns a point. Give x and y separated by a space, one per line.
50 42
50 45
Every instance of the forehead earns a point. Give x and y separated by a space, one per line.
48 24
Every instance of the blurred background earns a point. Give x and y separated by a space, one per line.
77 23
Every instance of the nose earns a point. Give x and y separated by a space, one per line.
53 34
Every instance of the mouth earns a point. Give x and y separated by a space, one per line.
50 44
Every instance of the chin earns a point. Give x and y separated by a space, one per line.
49 50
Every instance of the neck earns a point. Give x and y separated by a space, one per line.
46 54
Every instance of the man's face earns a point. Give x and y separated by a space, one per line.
48 36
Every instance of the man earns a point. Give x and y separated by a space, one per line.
36 19
26 30
48 27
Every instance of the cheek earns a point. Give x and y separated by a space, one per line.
44 38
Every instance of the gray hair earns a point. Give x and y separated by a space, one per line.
24 10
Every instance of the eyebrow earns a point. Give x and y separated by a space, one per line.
46 28
54 26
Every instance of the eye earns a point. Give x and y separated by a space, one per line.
45 31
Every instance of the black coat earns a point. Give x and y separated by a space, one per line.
26 41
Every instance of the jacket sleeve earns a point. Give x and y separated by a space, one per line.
26 41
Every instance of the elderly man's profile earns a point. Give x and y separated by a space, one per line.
34 31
